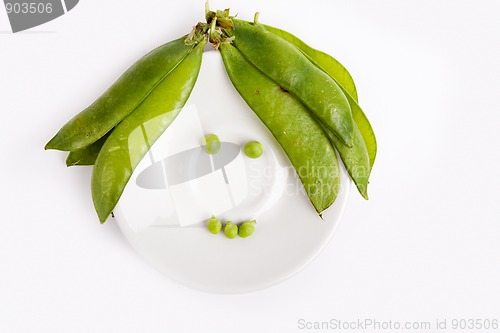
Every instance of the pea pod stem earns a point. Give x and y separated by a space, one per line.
207 9
256 18
213 28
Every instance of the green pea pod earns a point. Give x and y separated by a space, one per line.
325 61
293 126
87 155
134 86
291 69
356 159
337 72
133 137
366 130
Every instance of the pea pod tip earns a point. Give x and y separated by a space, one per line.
364 195
48 146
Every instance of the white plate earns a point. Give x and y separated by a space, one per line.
166 224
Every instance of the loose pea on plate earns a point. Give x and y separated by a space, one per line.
253 149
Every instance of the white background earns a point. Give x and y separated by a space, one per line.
425 246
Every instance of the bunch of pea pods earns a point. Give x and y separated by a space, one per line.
305 97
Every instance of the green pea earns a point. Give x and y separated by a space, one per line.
290 122
230 230
246 229
212 144
214 225
285 64
253 149
128 143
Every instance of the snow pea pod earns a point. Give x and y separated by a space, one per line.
363 126
338 72
133 137
362 123
293 126
366 130
325 61
87 155
135 85
291 69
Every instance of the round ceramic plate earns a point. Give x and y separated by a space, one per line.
178 186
